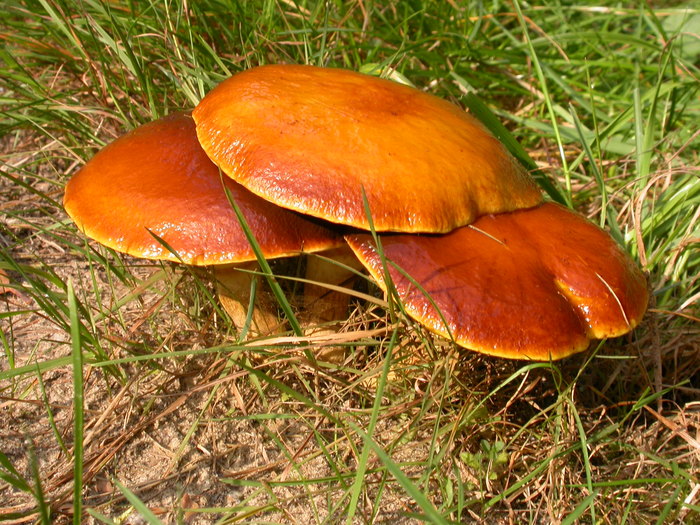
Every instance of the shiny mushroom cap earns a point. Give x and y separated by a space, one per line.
313 139
532 284
157 179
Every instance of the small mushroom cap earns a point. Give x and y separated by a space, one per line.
531 284
311 139
158 178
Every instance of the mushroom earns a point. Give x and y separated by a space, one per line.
319 140
530 284
153 193
527 280
329 142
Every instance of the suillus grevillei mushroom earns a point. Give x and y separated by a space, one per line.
537 283
473 252
154 194
320 141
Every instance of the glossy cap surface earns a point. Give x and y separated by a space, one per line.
532 284
158 178
311 139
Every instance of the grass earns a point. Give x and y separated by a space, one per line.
174 420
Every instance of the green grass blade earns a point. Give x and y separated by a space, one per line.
491 121
547 100
586 461
265 267
139 506
78 405
431 514
43 507
358 485
573 518
11 476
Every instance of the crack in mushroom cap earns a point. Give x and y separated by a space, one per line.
531 284
312 139
157 178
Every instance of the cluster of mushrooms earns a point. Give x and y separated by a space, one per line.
329 160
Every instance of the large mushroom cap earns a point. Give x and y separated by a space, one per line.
532 284
158 178
311 139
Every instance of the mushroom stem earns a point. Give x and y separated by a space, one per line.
322 303
234 284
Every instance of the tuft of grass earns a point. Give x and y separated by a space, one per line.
181 421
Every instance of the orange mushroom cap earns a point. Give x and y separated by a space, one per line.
158 178
531 284
312 139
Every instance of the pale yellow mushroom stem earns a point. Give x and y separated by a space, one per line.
233 285
323 304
